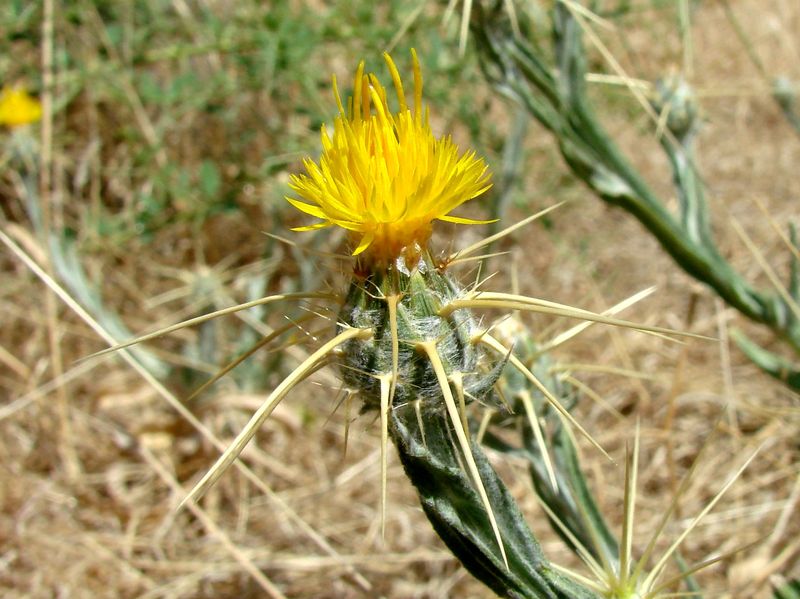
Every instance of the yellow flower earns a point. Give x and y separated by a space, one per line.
383 176
18 108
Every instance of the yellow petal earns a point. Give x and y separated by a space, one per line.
383 175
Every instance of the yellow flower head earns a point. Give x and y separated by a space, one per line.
18 108
383 176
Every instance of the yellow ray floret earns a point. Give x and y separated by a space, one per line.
18 108
383 176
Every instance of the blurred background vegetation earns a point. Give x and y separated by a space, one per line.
146 191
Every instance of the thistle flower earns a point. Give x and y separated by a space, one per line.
18 108
408 343
384 176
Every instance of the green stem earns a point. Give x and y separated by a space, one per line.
433 464
561 104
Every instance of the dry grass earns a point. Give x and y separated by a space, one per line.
93 467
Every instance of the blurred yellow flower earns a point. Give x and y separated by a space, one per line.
383 176
17 107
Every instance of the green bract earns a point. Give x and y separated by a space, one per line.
422 292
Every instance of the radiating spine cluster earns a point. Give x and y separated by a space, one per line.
403 309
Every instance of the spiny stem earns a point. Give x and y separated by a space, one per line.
551 399
580 14
211 315
429 347
656 571
768 270
581 549
386 385
651 545
478 258
786 239
612 311
457 380
584 580
392 301
243 438
631 469
527 401
510 301
657 592
261 343
590 15
594 396
460 254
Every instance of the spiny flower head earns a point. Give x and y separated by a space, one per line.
18 108
383 176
